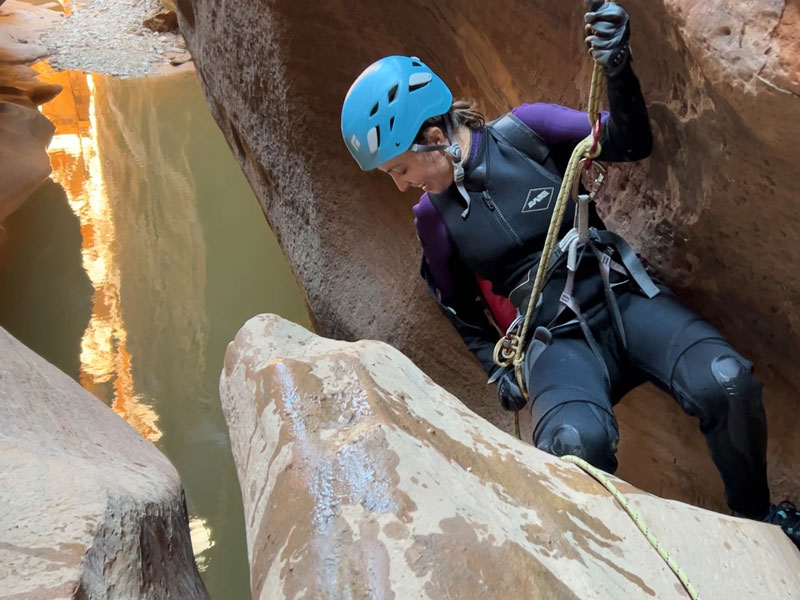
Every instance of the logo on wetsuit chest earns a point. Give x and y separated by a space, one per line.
538 199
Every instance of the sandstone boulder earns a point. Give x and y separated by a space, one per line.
90 509
24 132
163 22
21 26
24 164
362 478
714 209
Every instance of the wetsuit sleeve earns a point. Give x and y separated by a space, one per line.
466 313
452 285
626 135
481 347
436 246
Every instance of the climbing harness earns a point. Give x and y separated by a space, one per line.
637 518
509 350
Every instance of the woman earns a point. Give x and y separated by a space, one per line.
489 192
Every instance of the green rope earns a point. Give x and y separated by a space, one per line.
620 497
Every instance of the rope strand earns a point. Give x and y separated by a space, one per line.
637 518
509 349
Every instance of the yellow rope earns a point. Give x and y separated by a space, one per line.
623 501
509 350
513 354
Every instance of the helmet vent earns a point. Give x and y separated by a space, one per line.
374 139
393 93
418 80
374 110
415 63
391 123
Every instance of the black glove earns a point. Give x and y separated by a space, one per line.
607 33
508 391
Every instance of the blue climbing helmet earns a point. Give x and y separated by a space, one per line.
386 106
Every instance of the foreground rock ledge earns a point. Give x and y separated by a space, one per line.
90 510
362 478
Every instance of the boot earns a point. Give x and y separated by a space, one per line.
786 516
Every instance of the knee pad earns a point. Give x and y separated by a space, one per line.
564 440
595 441
736 380
712 380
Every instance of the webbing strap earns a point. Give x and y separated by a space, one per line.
606 264
514 132
628 258
567 300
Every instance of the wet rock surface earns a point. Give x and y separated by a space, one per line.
362 478
90 509
714 208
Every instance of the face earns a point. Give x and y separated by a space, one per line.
430 171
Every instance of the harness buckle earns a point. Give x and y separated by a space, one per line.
598 181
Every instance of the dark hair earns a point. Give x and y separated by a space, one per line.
462 112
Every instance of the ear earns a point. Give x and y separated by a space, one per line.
434 136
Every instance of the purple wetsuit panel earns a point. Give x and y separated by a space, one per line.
555 123
435 244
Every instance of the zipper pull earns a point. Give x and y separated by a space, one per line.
488 200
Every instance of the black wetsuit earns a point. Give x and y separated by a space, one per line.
574 383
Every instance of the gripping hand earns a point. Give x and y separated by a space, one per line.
607 35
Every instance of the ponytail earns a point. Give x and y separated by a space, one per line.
462 112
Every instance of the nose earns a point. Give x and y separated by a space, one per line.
400 182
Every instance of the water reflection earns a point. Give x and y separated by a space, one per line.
178 255
201 541
105 361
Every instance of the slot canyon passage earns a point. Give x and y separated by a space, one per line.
713 210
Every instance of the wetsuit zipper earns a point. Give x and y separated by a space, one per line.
492 206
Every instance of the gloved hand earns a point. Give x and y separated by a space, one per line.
508 391
607 33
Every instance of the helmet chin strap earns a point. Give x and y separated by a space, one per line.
454 150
